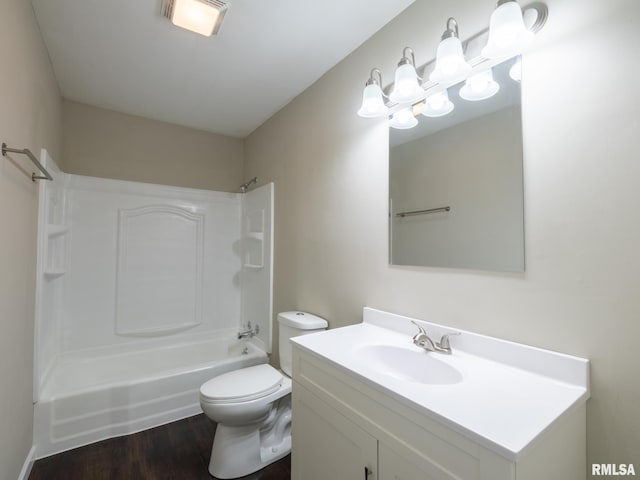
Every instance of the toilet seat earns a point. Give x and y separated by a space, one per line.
242 385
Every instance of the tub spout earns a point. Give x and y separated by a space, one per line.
245 334
249 332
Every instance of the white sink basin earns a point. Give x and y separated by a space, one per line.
412 365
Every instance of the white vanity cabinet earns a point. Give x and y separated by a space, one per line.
336 447
347 428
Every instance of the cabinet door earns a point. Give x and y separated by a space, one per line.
326 445
411 466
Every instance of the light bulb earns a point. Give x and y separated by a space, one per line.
372 102
403 119
480 87
450 63
515 72
437 105
406 88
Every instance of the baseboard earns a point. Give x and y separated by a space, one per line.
28 464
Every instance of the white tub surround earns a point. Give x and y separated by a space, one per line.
491 399
141 292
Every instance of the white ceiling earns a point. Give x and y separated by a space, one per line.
124 55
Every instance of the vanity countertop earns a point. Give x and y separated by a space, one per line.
503 395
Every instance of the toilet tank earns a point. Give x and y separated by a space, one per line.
293 324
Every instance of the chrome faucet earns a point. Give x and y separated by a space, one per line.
250 332
421 339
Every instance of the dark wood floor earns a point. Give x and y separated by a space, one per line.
177 451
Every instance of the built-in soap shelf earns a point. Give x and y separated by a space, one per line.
51 274
256 236
251 266
54 230
254 240
55 250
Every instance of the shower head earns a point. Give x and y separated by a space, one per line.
245 186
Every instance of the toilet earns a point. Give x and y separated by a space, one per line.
252 407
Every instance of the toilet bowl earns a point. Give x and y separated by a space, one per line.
253 412
252 407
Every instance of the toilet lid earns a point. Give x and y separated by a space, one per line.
242 385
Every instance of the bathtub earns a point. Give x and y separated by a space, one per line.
94 395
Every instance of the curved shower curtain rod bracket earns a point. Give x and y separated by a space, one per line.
25 151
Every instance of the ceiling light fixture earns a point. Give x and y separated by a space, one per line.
406 88
373 97
199 16
451 66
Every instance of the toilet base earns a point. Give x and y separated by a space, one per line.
241 450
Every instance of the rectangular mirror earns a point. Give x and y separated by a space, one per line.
456 183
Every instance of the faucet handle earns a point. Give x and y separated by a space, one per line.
444 341
419 328
421 339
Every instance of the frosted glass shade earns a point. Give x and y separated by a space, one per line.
479 87
507 34
372 102
451 66
406 87
403 119
515 72
437 105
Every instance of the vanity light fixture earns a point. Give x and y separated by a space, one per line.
406 88
373 97
403 119
510 30
480 86
508 35
199 16
437 105
451 66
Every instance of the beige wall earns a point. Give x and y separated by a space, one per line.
579 294
29 118
104 143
